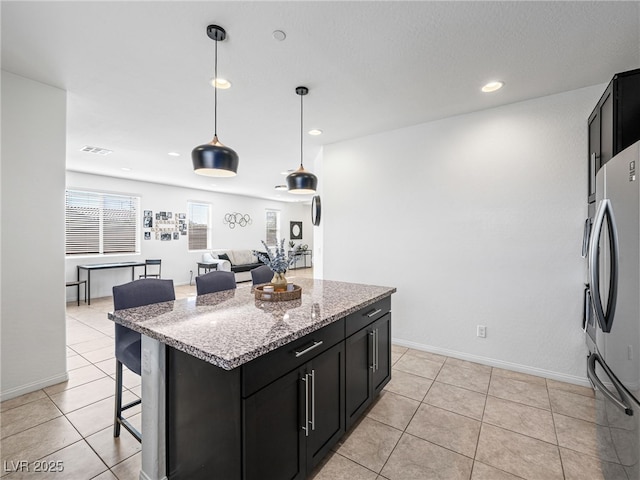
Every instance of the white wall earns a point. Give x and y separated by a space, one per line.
177 261
32 200
477 220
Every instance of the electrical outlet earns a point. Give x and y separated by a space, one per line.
482 331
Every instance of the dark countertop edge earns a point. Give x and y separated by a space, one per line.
230 364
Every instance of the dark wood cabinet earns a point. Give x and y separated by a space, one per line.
277 416
614 123
368 360
274 445
296 420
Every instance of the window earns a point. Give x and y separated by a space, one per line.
199 226
273 227
101 223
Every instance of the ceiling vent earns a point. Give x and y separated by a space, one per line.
96 150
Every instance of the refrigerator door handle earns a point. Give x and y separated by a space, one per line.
593 378
585 237
605 212
586 314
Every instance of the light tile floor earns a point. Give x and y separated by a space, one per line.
438 418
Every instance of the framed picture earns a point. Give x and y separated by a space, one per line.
295 230
176 235
147 235
165 237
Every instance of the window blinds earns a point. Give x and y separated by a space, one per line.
273 227
100 223
198 226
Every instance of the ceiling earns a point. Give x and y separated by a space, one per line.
137 73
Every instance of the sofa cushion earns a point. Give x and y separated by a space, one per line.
243 257
245 268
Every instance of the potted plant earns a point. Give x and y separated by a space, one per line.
278 261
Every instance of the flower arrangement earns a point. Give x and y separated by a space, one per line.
279 261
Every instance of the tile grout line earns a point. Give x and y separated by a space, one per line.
404 431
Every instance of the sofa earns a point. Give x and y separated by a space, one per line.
240 262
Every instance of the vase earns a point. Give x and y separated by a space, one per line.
279 281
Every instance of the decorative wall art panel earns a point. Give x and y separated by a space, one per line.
295 230
165 225
233 219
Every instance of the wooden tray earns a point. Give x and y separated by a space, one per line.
295 294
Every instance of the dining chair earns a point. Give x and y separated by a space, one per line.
262 274
148 272
128 342
215 282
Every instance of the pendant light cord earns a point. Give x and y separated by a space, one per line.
301 130
215 94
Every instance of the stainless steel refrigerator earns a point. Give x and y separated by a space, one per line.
612 314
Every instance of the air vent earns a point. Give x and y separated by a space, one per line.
96 150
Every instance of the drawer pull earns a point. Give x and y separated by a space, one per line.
373 313
308 349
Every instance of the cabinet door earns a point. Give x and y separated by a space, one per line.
594 153
606 128
273 435
382 366
359 363
326 382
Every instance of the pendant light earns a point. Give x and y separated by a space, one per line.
215 159
302 182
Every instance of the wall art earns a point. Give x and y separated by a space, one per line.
295 230
166 225
233 219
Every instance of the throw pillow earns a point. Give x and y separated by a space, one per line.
224 256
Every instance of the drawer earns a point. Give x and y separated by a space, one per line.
367 315
271 366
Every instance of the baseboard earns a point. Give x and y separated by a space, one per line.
32 387
561 377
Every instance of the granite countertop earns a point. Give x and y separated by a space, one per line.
230 328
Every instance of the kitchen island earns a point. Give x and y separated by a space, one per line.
237 388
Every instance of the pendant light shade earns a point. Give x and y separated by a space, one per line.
301 181
214 159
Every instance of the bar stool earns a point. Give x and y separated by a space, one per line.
128 342
215 282
261 274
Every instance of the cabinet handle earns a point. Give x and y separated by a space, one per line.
373 313
375 351
305 379
372 335
308 349
313 399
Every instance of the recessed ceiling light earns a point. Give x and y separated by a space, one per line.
492 87
125 169
220 83
288 172
96 150
173 154
281 187
279 35
315 131
214 184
